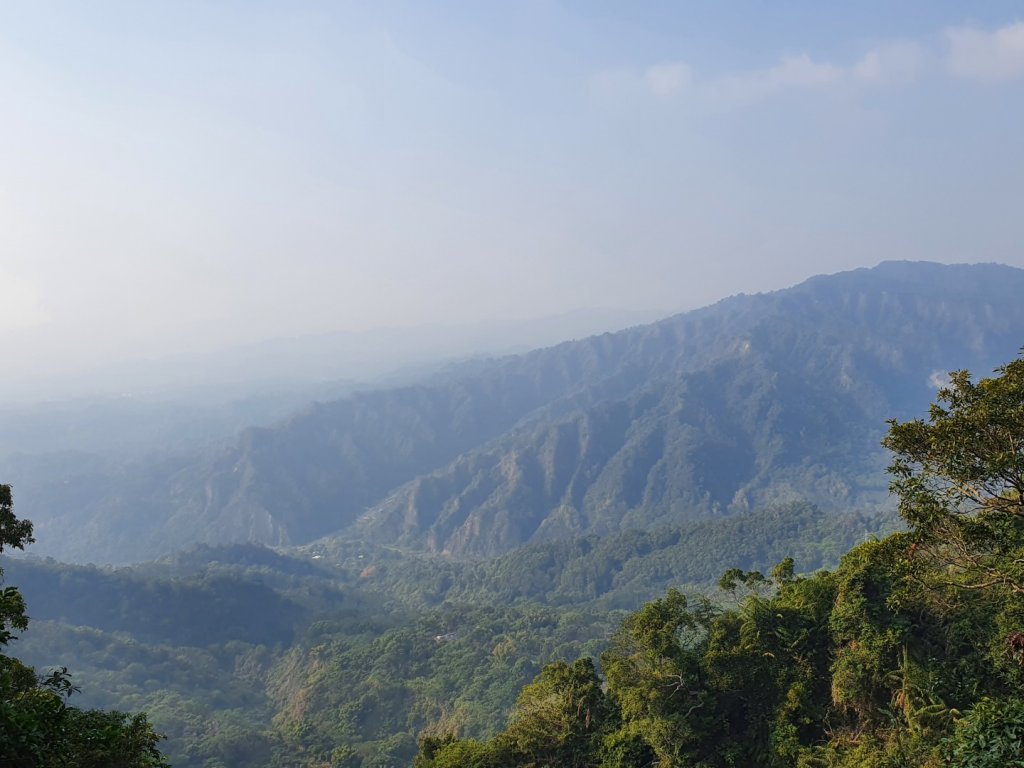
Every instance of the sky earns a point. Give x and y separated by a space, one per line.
178 176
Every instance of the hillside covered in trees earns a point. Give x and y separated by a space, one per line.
254 657
909 653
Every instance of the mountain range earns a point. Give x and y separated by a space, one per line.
755 400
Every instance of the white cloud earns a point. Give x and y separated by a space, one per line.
972 53
20 306
938 379
799 72
894 63
667 78
981 55
662 80
792 72
899 62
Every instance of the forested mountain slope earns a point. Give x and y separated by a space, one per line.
261 658
773 397
910 653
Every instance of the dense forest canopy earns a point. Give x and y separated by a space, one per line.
247 655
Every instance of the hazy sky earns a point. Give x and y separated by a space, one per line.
188 174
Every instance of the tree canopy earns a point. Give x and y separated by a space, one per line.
37 726
959 477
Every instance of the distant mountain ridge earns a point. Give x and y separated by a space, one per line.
787 400
755 399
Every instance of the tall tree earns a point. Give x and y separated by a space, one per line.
14 534
959 477
655 675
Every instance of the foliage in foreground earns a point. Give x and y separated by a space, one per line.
910 653
37 726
